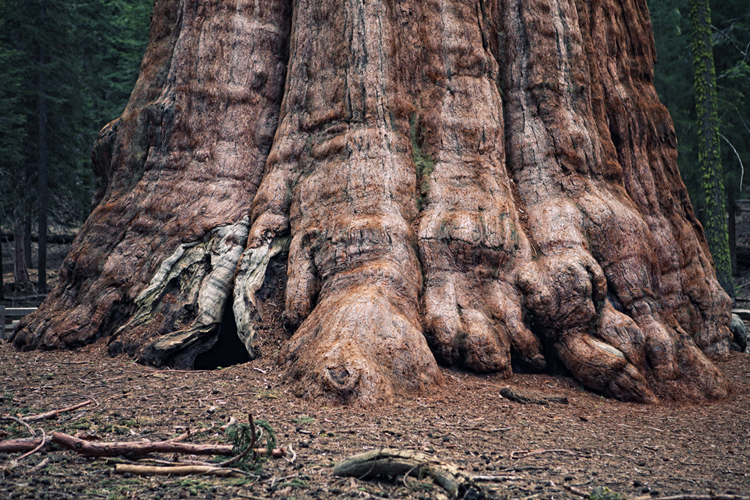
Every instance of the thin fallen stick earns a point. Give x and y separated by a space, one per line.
21 422
294 454
178 470
39 447
126 448
54 413
493 479
16 445
41 465
515 454
114 449
707 497
578 492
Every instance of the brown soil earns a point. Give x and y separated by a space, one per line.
635 450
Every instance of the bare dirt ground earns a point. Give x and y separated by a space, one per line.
638 451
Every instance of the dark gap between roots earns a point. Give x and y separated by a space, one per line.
228 349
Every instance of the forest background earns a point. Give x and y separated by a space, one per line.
67 68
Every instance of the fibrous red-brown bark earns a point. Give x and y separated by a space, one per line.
474 183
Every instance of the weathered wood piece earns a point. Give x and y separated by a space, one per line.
177 470
530 398
113 449
18 445
55 413
394 462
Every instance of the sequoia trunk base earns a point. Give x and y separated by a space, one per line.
484 184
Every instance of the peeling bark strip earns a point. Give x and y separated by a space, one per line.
484 184
250 276
203 273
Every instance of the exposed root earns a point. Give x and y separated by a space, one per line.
359 346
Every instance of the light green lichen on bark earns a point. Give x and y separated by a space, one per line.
250 276
708 138
423 163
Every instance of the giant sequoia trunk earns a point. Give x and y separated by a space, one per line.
475 183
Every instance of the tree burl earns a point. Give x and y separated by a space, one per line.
482 184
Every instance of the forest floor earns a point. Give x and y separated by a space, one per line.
532 451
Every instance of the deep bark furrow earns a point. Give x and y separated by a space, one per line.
587 218
469 237
353 283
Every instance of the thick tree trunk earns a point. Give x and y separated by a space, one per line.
20 271
732 230
475 183
27 242
2 271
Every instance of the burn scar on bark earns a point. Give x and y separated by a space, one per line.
192 285
250 276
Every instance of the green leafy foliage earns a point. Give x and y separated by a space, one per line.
423 163
673 78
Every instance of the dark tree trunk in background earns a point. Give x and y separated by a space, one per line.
2 271
732 230
42 172
27 241
709 156
20 271
469 183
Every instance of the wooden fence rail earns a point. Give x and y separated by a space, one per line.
12 315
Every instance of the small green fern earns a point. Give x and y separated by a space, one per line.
244 439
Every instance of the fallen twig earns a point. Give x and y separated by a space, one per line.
20 422
139 448
16 445
37 448
294 454
177 470
516 454
578 492
41 465
114 449
492 479
707 497
54 413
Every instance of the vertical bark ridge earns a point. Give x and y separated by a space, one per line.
340 180
470 240
597 249
185 158
643 130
